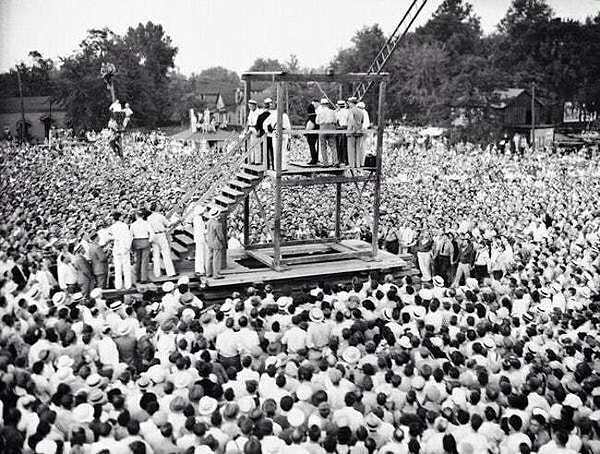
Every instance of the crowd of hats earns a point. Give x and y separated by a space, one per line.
505 365
53 196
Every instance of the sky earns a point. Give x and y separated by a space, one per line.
229 33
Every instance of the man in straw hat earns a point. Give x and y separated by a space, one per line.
215 241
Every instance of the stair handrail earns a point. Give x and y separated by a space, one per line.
209 174
233 166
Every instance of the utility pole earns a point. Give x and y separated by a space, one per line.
22 132
533 116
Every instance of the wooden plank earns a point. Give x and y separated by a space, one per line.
338 209
293 243
326 180
316 258
263 258
247 219
379 152
281 76
277 185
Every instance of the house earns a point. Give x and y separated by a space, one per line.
514 110
41 113
224 105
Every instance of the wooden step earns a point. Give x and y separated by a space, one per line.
247 177
179 249
185 240
189 230
232 193
242 185
217 207
225 201
254 169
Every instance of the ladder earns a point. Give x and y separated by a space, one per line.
391 44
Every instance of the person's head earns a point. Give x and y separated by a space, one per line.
252 104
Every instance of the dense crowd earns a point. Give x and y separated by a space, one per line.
494 349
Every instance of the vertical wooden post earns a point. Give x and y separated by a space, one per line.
247 95
278 155
338 209
246 221
379 159
533 116
224 227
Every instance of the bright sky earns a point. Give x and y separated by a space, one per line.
229 33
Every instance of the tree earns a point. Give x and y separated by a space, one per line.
456 26
37 77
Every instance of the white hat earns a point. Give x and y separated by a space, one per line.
64 361
268 101
59 298
214 212
96 293
207 405
168 287
83 413
426 294
351 355
316 314
573 401
304 391
46 446
324 101
438 281
405 342
419 312
361 105
296 417
246 404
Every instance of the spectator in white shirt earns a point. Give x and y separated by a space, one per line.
121 236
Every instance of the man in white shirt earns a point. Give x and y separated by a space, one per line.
227 346
341 115
270 126
160 242
199 225
326 119
121 236
253 113
142 234
365 126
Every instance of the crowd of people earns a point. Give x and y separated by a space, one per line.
494 349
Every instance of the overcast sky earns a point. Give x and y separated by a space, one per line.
229 33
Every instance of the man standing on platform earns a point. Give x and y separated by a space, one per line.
266 151
99 262
355 123
270 126
215 240
160 244
121 236
143 235
327 122
365 126
253 113
200 239
341 115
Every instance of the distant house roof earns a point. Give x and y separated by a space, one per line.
506 97
30 104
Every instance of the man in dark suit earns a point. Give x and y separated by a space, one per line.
20 272
260 129
83 268
215 241
99 261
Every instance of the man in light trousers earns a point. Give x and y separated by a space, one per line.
160 242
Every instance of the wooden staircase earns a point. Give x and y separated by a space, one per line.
232 193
